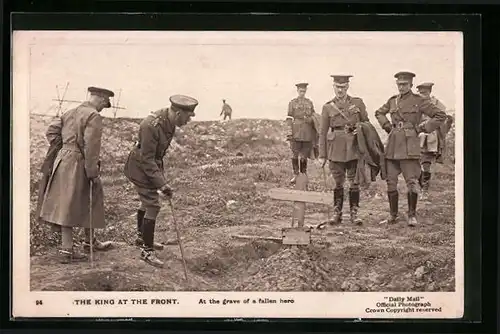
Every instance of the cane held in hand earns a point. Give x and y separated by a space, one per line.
90 224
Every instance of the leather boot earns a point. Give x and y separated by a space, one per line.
140 218
338 202
412 208
424 184
72 255
303 166
393 197
139 242
148 253
354 206
295 166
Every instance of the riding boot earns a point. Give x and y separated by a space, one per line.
338 202
412 208
148 253
354 206
295 166
139 242
393 197
303 166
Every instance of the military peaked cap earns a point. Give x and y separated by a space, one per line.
404 76
341 80
302 85
425 85
183 102
101 92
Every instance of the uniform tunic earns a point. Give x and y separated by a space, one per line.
303 130
67 196
337 142
144 166
402 150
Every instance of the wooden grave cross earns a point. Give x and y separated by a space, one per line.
300 196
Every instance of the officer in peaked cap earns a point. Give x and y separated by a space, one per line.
431 144
144 168
103 93
337 144
402 151
303 133
64 197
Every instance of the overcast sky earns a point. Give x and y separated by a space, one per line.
255 72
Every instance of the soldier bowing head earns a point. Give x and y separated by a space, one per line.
99 98
404 81
182 109
341 85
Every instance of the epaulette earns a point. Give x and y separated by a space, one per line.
157 117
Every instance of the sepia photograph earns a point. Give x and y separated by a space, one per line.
238 174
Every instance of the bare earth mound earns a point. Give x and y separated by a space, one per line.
220 173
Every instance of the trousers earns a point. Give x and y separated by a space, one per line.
411 173
426 160
340 170
150 202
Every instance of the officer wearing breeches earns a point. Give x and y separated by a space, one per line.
144 168
402 152
301 109
337 144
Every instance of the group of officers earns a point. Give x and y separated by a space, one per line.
416 135
71 193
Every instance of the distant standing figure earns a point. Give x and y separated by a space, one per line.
431 144
66 197
226 110
303 131
402 152
144 168
338 144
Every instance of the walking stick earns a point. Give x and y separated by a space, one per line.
178 238
91 241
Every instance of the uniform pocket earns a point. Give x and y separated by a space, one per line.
413 145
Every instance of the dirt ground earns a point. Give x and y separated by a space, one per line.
220 173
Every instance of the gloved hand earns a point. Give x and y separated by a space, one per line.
421 127
388 128
322 162
288 137
166 192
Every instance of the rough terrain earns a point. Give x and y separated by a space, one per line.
220 172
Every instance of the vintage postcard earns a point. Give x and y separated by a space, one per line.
238 174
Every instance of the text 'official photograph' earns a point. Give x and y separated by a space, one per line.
238 174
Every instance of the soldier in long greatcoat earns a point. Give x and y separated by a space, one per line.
402 152
431 144
303 132
144 168
337 144
66 196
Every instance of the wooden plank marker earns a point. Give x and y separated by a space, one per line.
296 236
